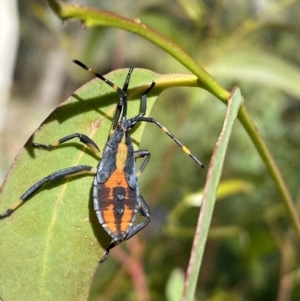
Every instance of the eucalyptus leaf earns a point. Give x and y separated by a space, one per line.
51 245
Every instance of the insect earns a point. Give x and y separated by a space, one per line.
116 195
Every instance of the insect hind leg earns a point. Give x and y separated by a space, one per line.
55 176
144 211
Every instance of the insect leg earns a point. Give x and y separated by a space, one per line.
164 129
144 99
144 211
111 245
55 176
133 121
83 138
141 154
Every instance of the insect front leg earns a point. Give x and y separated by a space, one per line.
83 138
55 176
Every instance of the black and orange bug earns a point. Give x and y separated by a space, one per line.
117 198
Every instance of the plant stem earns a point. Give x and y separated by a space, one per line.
274 172
93 17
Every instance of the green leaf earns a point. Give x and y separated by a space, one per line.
175 285
49 247
209 195
226 188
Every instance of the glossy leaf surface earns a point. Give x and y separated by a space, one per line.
51 245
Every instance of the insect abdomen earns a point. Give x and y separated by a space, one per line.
115 205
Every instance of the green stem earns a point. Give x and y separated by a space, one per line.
274 172
94 17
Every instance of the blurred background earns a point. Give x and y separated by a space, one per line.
252 253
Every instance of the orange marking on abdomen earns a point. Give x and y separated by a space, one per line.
125 226
116 223
112 227
127 215
127 218
108 215
116 179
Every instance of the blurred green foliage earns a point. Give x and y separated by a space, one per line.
252 44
